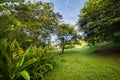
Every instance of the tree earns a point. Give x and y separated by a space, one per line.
99 20
38 20
3 1
65 33
7 21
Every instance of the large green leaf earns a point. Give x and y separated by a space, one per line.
3 66
25 75
22 58
3 49
28 63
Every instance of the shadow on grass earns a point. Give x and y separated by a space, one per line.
109 49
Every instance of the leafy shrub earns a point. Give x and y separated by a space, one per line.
16 63
69 46
43 63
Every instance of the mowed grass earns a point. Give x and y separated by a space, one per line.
76 64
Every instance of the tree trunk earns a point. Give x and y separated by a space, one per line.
63 47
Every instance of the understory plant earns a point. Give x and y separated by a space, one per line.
18 64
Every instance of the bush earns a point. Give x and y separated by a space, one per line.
16 63
69 46
43 63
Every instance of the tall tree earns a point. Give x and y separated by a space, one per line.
100 20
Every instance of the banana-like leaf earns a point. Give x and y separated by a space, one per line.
46 67
22 58
3 49
41 75
17 44
49 65
25 75
2 77
28 63
3 65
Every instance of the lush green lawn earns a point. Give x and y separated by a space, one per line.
76 65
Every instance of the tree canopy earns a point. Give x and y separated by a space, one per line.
99 20
33 23
39 20
7 20
29 22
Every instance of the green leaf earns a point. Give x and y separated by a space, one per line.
25 75
49 65
3 48
22 58
2 77
3 66
29 62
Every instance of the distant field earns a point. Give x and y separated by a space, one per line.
76 64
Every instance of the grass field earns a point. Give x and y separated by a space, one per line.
76 64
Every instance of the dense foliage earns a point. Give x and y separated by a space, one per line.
29 23
39 21
99 20
16 63
21 28
25 33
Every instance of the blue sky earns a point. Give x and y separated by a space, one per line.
69 9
